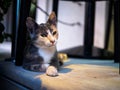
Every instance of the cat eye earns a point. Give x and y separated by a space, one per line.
43 35
54 32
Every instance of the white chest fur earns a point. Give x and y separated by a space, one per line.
47 53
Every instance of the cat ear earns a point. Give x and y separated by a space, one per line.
52 19
31 26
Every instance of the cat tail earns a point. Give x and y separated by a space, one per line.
62 58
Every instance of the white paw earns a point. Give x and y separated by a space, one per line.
52 71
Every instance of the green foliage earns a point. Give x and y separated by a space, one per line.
4 5
1 31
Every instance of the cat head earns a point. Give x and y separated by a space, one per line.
44 34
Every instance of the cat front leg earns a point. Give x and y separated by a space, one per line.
52 70
44 67
39 67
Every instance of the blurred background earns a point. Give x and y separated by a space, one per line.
71 26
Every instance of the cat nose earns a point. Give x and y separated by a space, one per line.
52 41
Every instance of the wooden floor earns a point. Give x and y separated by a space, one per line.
83 77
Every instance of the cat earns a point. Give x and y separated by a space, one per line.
40 52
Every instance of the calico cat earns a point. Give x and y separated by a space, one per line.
40 53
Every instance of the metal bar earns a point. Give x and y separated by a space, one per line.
108 24
15 20
21 38
117 32
89 28
55 7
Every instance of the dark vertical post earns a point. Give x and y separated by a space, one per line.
33 9
15 20
21 38
89 28
55 6
117 32
14 28
108 23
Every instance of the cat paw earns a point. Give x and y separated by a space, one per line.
52 71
